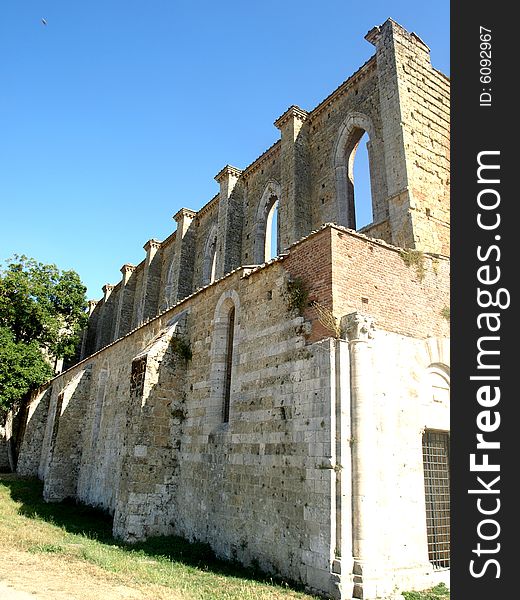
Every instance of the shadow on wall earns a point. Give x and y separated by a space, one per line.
94 524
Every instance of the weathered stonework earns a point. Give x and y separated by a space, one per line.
215 403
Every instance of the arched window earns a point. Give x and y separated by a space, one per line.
224 358
267 230
228 364
362 189
212 274
210 257
168 288
355 207
271 230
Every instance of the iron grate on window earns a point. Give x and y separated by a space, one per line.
436 461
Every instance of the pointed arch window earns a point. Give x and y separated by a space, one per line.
267 228
224 359
356 206
271 230
228 364
210 257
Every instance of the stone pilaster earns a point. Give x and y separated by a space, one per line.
151 281
229 231
86 338
359 330
126 301
106 317
399 54
294 206
184 265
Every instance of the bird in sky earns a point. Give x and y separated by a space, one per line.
44 21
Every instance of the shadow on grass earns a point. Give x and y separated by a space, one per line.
95 524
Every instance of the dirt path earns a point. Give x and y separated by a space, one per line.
25 576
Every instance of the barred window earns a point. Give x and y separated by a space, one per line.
436 461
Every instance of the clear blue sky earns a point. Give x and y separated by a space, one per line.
119 112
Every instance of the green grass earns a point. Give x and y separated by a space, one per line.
167 567
74 532
439 592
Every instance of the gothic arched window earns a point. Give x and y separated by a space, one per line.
271 230
355 207
267 230
210 257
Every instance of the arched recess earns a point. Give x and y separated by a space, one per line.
101 390
168 288
224 358
438 376
267 210
349 135
210 256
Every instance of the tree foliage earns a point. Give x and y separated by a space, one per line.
42 312
22 367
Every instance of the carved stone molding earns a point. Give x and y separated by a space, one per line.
92 305
155 244
358 327
127 270
107 290
228 171
184 212
293 112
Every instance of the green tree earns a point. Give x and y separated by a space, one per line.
42 313
22 368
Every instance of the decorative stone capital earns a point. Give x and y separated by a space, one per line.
358 327
91 306
107 290
127 270
184 213
152 245
293 112
228 172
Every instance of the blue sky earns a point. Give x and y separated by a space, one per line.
119 112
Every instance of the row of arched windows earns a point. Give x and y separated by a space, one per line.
354 210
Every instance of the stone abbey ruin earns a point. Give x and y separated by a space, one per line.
292 412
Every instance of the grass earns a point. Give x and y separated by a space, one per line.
164 567
439 592
71 532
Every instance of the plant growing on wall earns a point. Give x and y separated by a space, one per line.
327 319
298 295
414 258
181 348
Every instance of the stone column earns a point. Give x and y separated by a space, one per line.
294 207
359 329
182 284
125 305
229 231
342 460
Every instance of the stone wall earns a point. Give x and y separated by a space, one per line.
276 410
397 98
138 427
